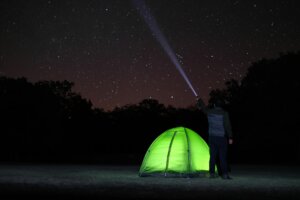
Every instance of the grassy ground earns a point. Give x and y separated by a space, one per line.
111 182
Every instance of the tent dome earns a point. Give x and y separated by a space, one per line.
176 152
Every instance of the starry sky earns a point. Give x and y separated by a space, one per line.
108 51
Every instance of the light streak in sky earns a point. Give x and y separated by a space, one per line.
152 24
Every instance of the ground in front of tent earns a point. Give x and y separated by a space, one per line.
114 182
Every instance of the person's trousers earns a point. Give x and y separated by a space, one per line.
218 147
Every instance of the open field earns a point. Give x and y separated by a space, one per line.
111 182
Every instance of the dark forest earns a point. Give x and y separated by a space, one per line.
46 122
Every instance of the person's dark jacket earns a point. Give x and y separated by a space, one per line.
218 120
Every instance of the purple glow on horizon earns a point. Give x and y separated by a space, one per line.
152 24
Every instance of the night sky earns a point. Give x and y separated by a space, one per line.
108 51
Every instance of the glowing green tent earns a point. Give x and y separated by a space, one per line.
176 152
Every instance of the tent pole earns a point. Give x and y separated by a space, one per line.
188 151
169 151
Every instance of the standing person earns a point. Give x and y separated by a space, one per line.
220 135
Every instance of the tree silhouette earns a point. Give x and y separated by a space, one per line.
37 119
47 121
265 109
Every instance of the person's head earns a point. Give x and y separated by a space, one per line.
218 103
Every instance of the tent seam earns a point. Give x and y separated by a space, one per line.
188 150
169 151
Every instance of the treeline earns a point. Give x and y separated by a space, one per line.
47 122
265 109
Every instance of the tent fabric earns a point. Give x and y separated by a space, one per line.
176 152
